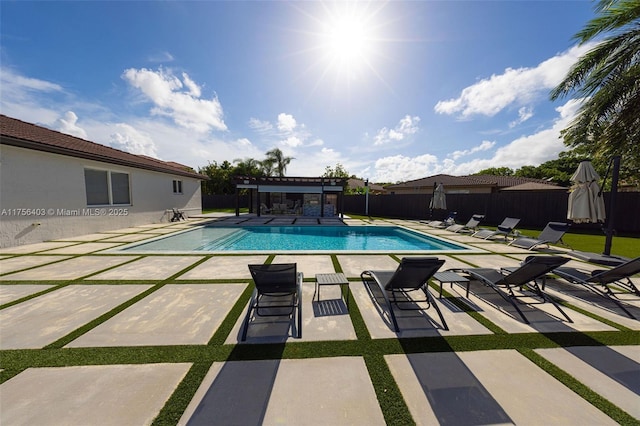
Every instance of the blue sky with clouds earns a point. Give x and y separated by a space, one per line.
393 91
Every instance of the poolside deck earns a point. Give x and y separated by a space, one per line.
89 337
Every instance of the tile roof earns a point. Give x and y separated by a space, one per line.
26 135
472 180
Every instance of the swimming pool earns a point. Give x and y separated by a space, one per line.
296 238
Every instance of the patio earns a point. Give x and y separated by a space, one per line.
94 338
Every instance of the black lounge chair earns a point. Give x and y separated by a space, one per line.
527 274
551 234
505 228
619 276
412 274
600 259
470 226
177 216
278 281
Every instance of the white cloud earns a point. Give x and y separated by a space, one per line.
128 139
527 150
162 56
292 141
16 82
484 146
260 126
244 142
524 114
286 122
186 108
408 125
400 168
491 95
68 124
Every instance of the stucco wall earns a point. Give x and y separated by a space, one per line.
43 197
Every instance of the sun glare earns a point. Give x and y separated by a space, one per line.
348 38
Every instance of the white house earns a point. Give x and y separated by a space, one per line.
54 185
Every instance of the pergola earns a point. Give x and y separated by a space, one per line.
301 196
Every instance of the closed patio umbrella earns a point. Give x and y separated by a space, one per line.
586 204
439 200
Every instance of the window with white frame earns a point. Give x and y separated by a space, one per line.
177 187
106 187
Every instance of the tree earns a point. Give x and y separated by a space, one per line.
496 171
608 79
220 178
248 167
338 172
558 171
276 158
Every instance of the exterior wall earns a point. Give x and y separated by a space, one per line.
53 187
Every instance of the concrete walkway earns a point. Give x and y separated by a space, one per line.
68 296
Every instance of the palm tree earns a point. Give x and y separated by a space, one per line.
248 167
276 158
608 78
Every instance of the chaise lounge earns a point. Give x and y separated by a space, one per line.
551 234
530 271
619 276
412 274
277 286
505 228
470 226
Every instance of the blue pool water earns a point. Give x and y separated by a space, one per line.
297 238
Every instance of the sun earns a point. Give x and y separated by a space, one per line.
348 38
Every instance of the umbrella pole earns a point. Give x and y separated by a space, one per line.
612 204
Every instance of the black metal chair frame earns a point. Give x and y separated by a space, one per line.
507 226
527 275
177 216
616 275
398 283
285 281
551 234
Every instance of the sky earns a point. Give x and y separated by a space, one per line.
392 91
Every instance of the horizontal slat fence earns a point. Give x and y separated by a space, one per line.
534 209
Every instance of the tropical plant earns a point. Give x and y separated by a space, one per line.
276 158
607 79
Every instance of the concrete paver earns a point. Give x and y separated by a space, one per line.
354 265
69 269
23 262
89 395
180 314
334 391
619 384
128 238
9 293
486 387
44 319
223 267
309 265
83 248
148 268
88 237
35 248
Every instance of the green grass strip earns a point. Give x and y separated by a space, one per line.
390 399
181 397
